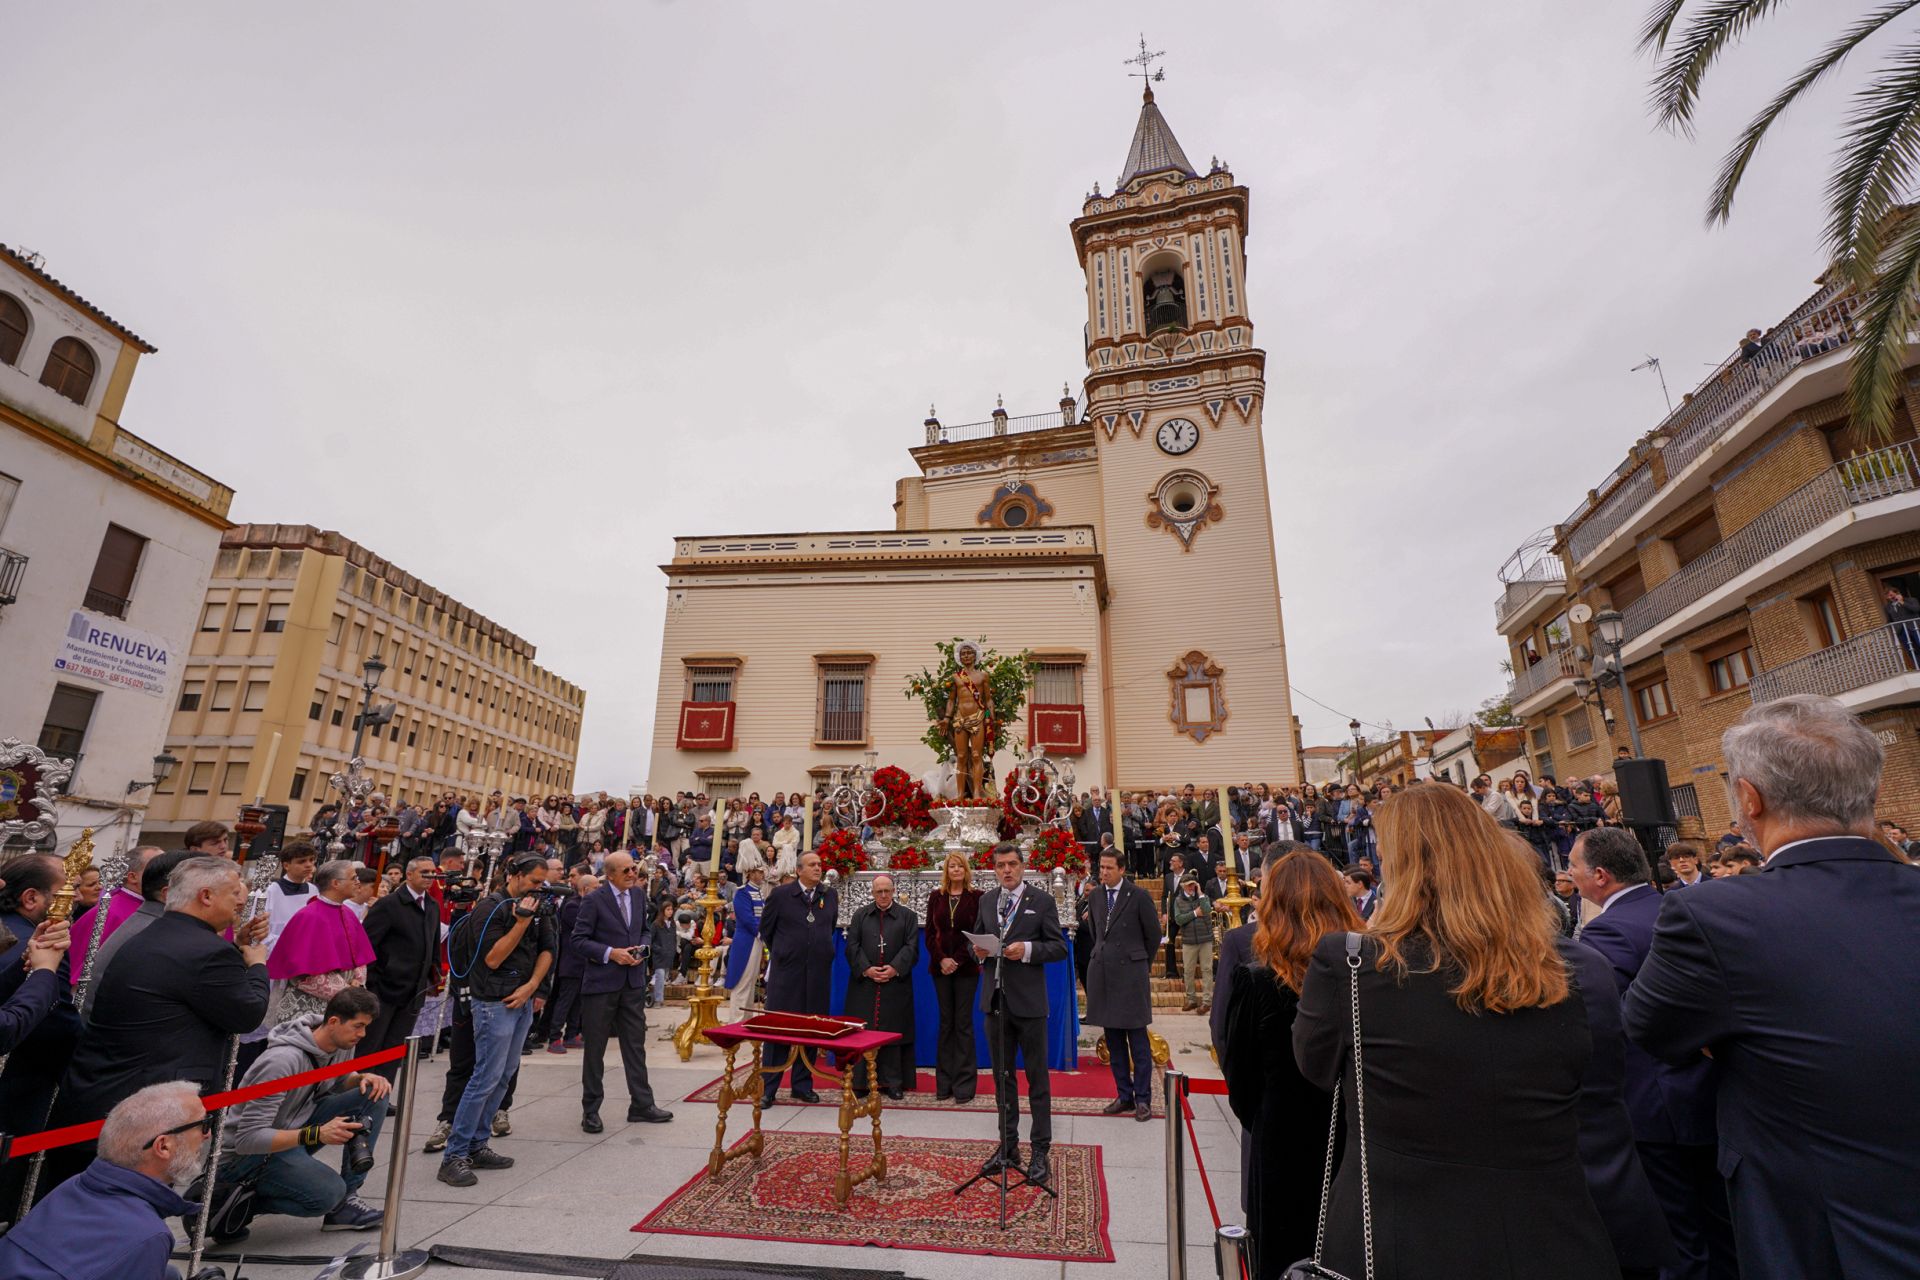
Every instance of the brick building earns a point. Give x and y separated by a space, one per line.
1747 541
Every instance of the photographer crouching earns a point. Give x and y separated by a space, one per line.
279 1140
504 949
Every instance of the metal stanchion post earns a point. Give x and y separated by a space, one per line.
392 1263
1231 1241
1173 1085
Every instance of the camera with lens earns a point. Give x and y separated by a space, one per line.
359 1151
546 900
459 888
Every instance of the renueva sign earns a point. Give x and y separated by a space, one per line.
108 651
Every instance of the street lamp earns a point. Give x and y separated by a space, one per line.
372 669
1610 629
1353 727
163 766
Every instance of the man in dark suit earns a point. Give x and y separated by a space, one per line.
1799 981
1126 933
797 928
167 1005
1013 995
563 1020
404 928
34 1068
1096 819
1670 1106
613 935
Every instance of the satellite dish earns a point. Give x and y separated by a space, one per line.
1581 613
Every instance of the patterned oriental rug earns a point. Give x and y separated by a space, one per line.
788 1196
1075 1093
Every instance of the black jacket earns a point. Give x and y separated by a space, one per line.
799 951
1283 1114
164 1011
1800 981
1472 1128
1022 983
406 947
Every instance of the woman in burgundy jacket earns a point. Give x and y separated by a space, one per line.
954 909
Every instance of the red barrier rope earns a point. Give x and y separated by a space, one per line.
1193 1140
48 1139
1203 1085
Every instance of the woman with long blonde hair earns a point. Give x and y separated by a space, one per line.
1474 1043
1302 900
954 909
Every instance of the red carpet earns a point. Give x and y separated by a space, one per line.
1075 1093
788 1196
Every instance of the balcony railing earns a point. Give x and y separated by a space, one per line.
1885 653
1852 483
13 566
1821 324
105 602
992 427
1528 571
1557 665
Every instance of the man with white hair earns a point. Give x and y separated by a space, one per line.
111 1220
165 1007
1799 982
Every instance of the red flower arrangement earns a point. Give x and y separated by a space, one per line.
842 851
908 804
912 858
1057 849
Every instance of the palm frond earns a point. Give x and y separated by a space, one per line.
1876 164
1658 25
1734 166
1676 82
1888 314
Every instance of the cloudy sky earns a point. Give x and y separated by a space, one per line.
515 293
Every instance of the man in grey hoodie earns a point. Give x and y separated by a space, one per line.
277 1139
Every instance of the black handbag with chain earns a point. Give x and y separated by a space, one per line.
1312 1268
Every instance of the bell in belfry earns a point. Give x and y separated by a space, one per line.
1166 301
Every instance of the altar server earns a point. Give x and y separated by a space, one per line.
743 953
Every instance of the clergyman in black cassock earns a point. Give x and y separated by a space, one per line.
883 945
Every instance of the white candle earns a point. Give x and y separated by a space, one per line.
266 774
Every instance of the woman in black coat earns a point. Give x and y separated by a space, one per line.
1476 1044
951 911
1302 900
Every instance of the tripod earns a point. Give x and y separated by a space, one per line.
1008 1169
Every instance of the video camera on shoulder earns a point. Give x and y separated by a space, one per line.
458 887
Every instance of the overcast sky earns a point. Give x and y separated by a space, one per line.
513 294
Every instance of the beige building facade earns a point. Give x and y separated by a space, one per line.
1082 535
289 619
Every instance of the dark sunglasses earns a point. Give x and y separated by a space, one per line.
204 1124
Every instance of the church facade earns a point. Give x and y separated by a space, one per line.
1090 536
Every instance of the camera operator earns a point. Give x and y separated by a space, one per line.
503 949
458 892
277 1140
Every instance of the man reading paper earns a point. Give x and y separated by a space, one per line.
1013 995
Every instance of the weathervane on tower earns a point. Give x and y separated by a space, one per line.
1146 72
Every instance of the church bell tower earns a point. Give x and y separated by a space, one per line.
1175 389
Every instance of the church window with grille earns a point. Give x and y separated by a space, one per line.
711 684
1057 684
843 702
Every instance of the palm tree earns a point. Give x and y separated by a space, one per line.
1871 240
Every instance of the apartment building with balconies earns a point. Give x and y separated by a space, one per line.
273 683
1748 542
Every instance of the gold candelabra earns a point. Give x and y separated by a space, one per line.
79 858
703 1006
1230 904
